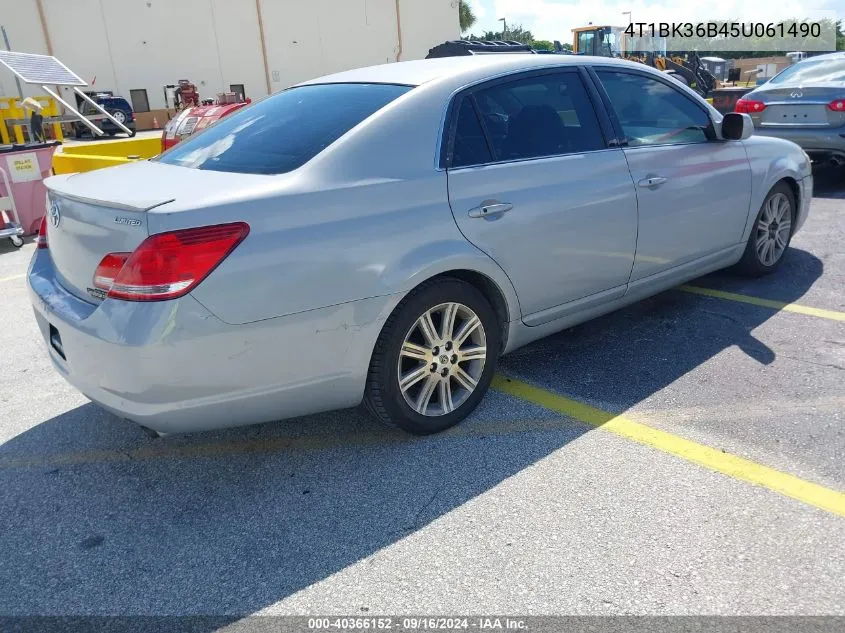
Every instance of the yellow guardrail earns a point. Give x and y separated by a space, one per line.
12 113
97 155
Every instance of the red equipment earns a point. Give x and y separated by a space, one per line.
188 94
191 120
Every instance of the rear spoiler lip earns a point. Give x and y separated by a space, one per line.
140 206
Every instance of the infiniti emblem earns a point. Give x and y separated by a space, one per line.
54 214
797 94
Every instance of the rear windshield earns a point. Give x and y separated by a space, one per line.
818 71
282 132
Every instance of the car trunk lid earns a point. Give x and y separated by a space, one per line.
105 211
95 213
797 106
81 231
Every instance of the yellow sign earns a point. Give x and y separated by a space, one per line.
23 167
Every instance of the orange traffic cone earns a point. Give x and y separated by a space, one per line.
155 123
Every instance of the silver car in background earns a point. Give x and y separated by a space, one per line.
804 103
385 234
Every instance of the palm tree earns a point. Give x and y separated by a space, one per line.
465 15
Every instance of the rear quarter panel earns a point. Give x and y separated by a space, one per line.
318 249
771 160
313 249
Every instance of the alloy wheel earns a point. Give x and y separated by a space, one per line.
442 359
773 229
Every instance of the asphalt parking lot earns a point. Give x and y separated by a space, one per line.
684 456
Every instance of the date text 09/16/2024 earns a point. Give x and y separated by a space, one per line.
417 624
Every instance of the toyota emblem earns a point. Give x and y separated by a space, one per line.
54 213
796 94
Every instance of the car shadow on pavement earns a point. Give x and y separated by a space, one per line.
100 519
796 275
622 359
228 523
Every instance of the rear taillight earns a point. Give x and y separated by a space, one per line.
837 105
187 127
168 265
173 124
41 240
749 106
108 269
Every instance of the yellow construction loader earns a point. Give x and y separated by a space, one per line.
613 41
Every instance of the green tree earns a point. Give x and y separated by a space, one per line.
514 33
465 16
542 45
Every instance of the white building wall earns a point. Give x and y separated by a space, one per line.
86 52
239 45
313 38
134 44
20 19
427 24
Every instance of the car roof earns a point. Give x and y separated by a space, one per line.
837 55
418 72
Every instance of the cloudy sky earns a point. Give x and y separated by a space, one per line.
554 19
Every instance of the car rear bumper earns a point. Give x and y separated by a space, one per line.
814 141
174 367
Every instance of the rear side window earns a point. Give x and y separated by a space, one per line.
470 146
283 132
653 113
544 115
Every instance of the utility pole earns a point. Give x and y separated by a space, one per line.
504 28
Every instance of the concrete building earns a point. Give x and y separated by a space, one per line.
136 47
768 66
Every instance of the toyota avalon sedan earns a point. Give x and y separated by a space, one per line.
383 235
805 103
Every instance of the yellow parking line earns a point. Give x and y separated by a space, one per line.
766 303
711 458
12 278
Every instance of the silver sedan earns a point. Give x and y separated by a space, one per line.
805 103
385 234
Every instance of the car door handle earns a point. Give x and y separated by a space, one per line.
653 181
488 209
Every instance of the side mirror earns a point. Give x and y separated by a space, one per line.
736 126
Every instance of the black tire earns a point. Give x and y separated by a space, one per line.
383 397
120 115
751 264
